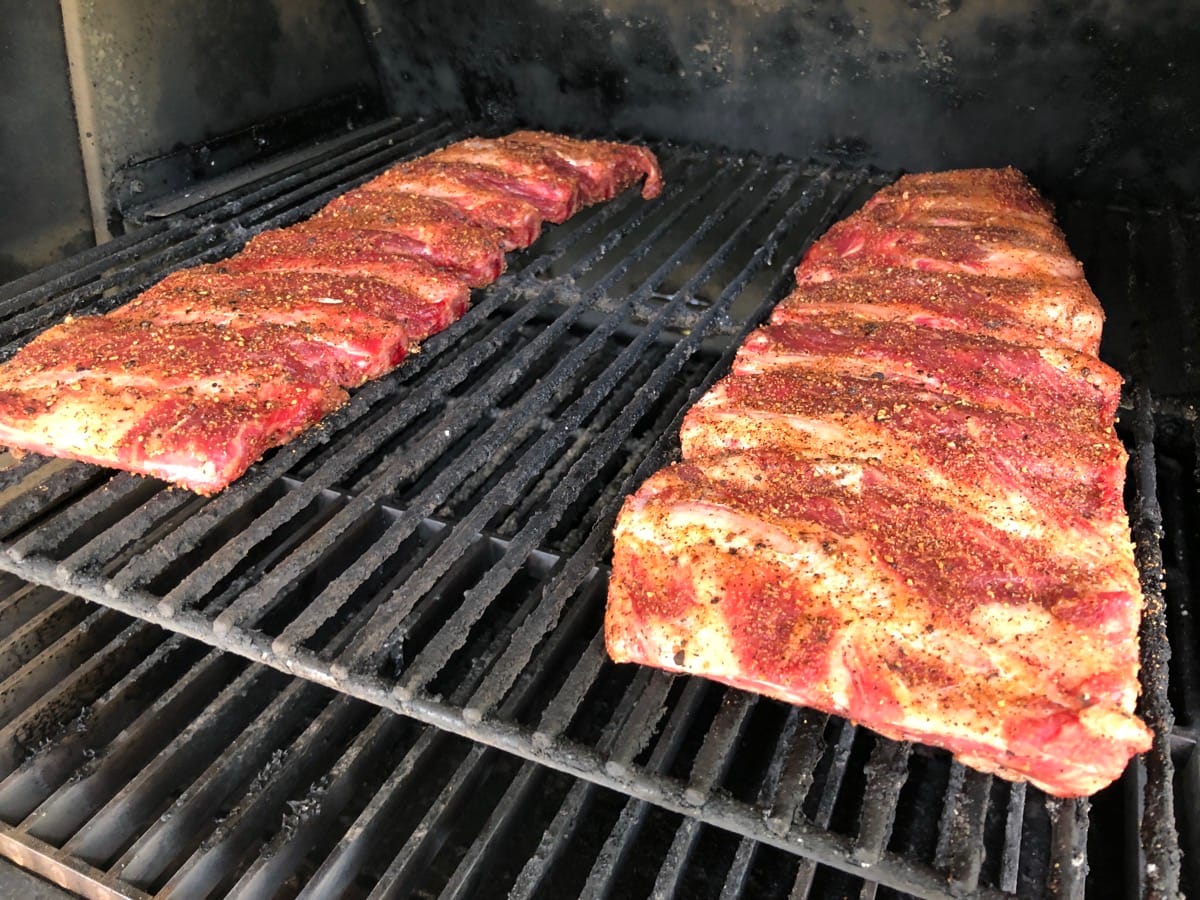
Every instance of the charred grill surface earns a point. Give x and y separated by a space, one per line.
454 517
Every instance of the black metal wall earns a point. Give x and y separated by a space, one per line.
1100 97
43 195
87 89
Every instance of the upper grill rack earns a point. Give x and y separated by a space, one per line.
474 490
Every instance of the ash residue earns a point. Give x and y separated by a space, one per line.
305 809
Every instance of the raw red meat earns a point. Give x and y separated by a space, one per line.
905 504
993 250
604 168
367 324
872 342
836 588
551 203
1024 310
435 296
969 197
187 356
193 404
407 225
519 221
1040 477
547 182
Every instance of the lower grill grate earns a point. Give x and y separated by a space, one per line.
454 520
164 767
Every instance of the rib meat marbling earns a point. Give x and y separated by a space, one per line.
442 294
905 504
1026 310
873 342
519 221
367 324
405 225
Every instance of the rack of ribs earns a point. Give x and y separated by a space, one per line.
198 376
904 503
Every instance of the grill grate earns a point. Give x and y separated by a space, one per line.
454 518
191 773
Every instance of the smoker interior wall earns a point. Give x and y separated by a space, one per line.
165 72
1095 96
42 190
89 88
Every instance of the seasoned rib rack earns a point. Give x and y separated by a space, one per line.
197 378
482 508
919 528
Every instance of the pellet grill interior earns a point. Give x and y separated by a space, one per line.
438 549
374 665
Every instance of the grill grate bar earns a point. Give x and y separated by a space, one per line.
960 832
675 863
58 481
615 851
506 817
1157 827
575 623
25 468
1069 829
561 710
210 241
1013 830
37 633
145 795
84 512
807 747
349 165
823 814
734 885
152 514
285 853
637 730
735 879
886 772
720 742
623 835
71 273
554 842
43 687
305 195
403 875
339 868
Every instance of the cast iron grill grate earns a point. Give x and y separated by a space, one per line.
141 763
471 494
